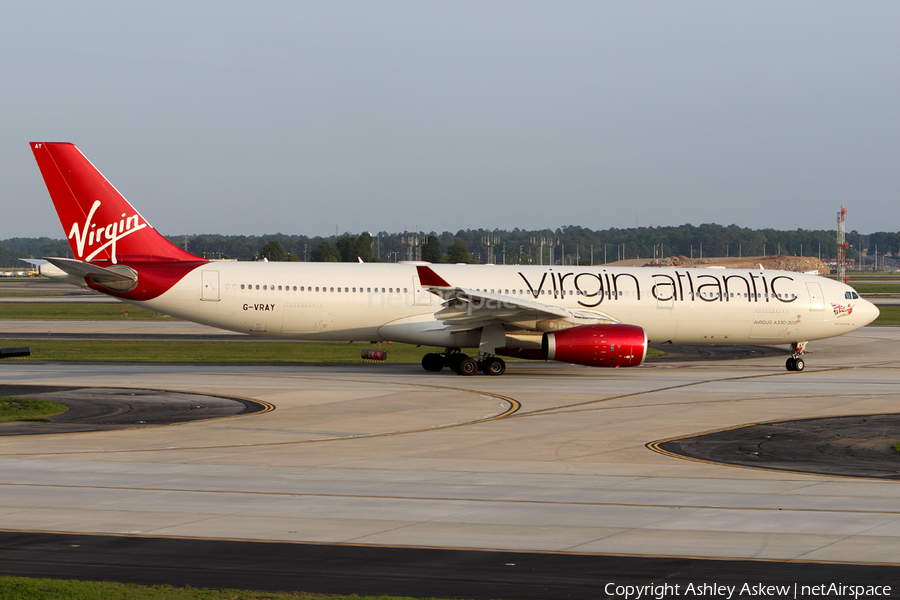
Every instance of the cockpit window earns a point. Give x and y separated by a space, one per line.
851 295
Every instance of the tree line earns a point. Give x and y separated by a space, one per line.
568 245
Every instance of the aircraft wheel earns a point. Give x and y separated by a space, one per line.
493 366
467 366
789 365
454 359
433 362
799 365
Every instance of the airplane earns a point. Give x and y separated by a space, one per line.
599 316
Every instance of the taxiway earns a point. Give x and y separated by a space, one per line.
547 458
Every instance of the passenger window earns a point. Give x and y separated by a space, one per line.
257 286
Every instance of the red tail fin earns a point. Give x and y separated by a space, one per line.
99 222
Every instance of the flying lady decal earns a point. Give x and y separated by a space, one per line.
840 310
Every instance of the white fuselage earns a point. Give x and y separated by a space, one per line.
370 302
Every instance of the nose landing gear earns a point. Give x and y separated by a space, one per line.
795 362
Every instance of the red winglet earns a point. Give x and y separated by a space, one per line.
429 278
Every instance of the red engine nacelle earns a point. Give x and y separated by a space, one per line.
611 345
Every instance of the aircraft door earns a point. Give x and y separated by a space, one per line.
665 303
209 286
816 301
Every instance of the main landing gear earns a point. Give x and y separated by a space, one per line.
463 364
795 362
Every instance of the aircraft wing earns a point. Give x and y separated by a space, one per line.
466 309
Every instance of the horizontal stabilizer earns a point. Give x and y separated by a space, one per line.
120 278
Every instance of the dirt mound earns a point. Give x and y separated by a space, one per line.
778 262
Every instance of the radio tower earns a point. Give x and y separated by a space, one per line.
841 246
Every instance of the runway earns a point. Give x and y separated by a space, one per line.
548 458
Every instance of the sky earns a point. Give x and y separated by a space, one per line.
314 117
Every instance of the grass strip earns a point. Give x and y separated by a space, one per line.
890 315
155 351
23 588
876 288
29 294
75 311
225 351
28 409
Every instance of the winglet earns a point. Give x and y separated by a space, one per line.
429 278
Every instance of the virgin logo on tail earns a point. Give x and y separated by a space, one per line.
109 235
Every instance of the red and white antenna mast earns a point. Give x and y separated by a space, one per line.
841 246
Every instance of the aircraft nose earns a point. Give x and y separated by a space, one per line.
868 312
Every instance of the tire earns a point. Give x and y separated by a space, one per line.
454 359
433 362
493 366
799 365
789 365
467 366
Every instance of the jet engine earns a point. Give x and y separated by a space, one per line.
610 345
